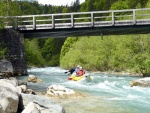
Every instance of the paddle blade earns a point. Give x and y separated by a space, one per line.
69 78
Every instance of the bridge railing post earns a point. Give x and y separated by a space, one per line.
134 17
72 20
92 19
34 23
53 22
113 19
16 23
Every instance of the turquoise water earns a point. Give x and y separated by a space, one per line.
106 93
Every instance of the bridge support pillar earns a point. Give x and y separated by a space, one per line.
16 52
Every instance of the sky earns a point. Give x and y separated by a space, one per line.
58 2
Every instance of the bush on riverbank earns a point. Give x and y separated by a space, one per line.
128 53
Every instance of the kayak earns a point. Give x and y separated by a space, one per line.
77 78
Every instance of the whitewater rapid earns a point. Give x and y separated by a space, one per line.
106 93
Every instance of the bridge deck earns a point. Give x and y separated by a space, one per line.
130 21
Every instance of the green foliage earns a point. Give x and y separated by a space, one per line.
134 3
8 8
75 6
3 51
67 45
51 51
3 48
120 5
33 55
115 53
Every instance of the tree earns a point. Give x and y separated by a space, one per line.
8 8
51 51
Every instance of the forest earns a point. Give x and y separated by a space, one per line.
123 53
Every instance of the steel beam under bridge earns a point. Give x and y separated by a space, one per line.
92 31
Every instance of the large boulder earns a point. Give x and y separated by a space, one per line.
45 105
144 82
9 97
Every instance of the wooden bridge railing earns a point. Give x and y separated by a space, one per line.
81 19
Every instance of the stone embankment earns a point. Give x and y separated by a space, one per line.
15 97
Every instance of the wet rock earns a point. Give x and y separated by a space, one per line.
30 91
6 69
22 88
6 66
58 90
34 79
144 82
21 83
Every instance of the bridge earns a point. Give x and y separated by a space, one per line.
113 22
95 23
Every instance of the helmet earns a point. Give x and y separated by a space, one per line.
78 66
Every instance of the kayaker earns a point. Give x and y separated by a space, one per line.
77 68
72 70
80 72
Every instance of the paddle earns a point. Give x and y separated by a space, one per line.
66 72
69 78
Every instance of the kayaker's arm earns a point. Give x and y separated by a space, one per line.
70 71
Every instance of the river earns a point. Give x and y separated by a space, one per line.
104 94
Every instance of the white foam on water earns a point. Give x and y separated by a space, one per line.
116 98
109 86
47 70
131 96
137 89
139 99
103 86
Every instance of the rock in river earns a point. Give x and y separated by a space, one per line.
144 82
